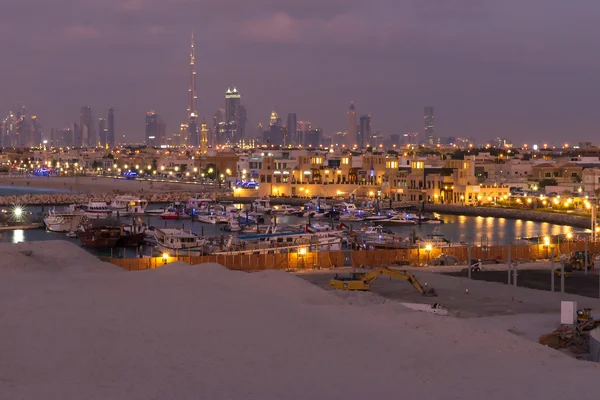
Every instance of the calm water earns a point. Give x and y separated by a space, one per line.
9 190
491 231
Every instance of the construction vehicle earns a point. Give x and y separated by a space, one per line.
577 260
363 280
568 271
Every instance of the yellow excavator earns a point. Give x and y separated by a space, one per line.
363 280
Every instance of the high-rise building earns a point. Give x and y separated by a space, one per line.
429 131
152 134
77 138
183 135
86 125
36 130
102 132
218 128
193 131
303 127
273 136
364 133
24 131
9 130
273 119
292 130
313 138
352 125
110 136
232 105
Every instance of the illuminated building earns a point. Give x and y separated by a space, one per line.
192 136
152 134
204 138
102 132
429 131
232 108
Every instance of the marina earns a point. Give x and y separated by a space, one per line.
225 231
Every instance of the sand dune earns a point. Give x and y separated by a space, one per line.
90 331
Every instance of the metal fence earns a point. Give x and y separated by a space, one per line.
370 258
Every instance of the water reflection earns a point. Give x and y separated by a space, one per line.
18 236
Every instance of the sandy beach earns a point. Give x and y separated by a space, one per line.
99 185
74 327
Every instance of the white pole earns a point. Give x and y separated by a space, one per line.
552 271
509 264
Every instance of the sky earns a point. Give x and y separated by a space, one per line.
526 70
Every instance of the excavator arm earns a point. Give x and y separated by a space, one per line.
363 281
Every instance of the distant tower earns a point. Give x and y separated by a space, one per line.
86 126
365 131
292 130
183 135
193 97
352 125
36 131
102 131
429 131
232 105
110 136
152 134
273 119
204 138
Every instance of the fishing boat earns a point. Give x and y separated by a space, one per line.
233 225
62 221
132 235
179 242
317 204
281 242
129 204
175 211
350 218
100 237
261 206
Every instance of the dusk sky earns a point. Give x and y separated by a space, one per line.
525 70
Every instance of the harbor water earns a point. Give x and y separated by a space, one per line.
475 230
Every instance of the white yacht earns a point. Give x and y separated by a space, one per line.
284 209
129 204
317 204
178 242
261 206
62 221
199 205
398 220
93 209
213 219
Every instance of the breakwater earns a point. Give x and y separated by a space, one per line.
510 213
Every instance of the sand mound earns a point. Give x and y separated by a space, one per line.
190 332
49 256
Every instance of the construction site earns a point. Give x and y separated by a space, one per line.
76 327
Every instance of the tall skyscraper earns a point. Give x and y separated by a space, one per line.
218 128
193 139
303 127
292 130
9 128
110 136
429 131
313 138
365 131
36 130
102 132
183 135
232 105
86 125
77 138
152 134
352 125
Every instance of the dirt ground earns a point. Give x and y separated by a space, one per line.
580 283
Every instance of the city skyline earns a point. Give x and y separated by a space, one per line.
501 76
